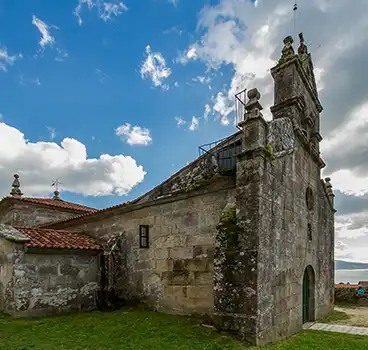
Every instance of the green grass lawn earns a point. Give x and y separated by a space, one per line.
140 330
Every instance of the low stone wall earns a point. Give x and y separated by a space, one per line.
348 295
54 282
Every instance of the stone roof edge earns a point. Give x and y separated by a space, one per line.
18 200
10 233
188 165
104 213
134 202
98 241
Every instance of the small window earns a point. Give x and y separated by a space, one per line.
310 232
309 198
143 236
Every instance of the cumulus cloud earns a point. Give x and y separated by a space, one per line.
6 59
47 39
38 163
106 10
247 36
154 68
134 135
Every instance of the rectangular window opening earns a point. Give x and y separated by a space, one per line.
143 236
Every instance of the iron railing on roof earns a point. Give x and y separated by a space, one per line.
225 155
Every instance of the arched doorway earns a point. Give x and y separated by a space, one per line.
308 295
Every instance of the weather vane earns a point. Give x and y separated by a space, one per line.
295 9
56 184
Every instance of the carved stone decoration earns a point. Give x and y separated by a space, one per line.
16 192
303 49
288 50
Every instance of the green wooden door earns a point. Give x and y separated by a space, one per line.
305 297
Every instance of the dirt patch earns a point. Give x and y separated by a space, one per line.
358 316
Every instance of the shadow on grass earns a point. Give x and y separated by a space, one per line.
335 316
129 329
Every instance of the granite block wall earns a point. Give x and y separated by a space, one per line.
175 274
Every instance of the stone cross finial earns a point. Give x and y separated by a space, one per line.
16 192
253 107
56 184
56 195
303 49
288 50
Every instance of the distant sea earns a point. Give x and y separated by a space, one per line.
351 276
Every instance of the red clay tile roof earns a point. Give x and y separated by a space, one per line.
82 216
56 203
58 239
346 285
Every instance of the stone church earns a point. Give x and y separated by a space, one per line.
244 234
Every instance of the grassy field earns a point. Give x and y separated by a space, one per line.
140 330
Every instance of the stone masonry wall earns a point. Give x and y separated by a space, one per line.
32 215
285 247
53 282
6 273
6 215
175 274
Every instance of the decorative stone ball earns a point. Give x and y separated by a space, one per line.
254 94
288 39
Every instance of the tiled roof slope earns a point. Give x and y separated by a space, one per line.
82 216
57 203
58 239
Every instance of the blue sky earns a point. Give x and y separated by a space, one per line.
91 92
98 86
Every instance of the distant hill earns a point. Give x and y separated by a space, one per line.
348 265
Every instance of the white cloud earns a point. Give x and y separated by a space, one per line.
176 84
61 55
174 2
207 111
6 59
180 121
101 75
134 135
106 10
23 80
195 124
154 68
40 162
47 39
202 79
52 132
351 179
191 54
